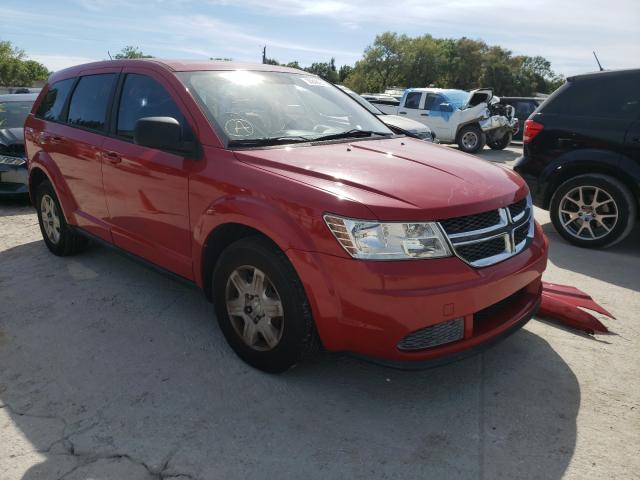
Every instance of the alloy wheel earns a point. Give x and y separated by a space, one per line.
50 218
588 212
254 307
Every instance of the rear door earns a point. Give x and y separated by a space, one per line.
147 189
75 142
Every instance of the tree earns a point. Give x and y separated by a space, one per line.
131 52
325 70
16 69
464 63
343 72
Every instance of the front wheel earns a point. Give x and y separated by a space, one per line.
593 211
501 143
471 139
261 306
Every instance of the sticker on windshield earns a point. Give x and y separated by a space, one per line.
309 80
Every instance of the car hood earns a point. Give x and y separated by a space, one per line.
12 141
405 124
478 96
397 179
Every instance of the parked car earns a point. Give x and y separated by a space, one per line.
581 157
524 107
470 119
301 216
396 123
14 109
381 99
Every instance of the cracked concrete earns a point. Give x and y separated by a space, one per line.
109 370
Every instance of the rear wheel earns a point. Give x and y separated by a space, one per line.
60 239
261 306
593 211
501 143
471 139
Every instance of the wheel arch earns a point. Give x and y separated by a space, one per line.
580 163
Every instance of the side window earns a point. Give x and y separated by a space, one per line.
88 107
143 97
412 100
430 101
524 109
616 98
53 101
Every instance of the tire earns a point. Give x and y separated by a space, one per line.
294 329
466 137
59 238
606 224
502 143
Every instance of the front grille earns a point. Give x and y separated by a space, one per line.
490 237
493 310
517 208
477 251
456 225
439 334
13 150
520 234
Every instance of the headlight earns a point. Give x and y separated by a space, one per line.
366 239
15 161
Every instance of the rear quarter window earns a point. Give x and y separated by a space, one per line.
53 102
615 97
88 106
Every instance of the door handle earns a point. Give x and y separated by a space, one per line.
402 113
424 114
112 157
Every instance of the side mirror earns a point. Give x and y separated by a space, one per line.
445 107
163 133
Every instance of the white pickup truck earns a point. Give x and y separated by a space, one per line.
469 119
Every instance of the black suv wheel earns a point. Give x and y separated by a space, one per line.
593 210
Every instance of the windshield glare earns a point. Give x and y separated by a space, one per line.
14 114
253 105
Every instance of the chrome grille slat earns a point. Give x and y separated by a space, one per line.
509 233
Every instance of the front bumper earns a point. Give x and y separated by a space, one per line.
14 180
367 308
499 122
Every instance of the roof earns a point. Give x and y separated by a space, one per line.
19 97
175 66
604 73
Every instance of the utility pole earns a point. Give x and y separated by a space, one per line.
264 54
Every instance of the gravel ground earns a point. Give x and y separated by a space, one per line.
111 371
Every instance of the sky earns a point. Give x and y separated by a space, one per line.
61 33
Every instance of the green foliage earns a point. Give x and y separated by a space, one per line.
462 63
131 52
16 70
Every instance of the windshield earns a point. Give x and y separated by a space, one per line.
369 106
13 114
457 98
253 108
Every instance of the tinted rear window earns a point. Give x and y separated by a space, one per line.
88 107
413 100
53 102
608 97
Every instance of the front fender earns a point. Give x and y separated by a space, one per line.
275 223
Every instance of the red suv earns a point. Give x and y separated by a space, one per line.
301 216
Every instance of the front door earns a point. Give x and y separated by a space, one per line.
438 119
147 189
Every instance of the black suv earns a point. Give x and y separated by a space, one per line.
582 157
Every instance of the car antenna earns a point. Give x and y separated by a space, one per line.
599 66
110 58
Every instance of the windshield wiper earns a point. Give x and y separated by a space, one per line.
354 133
265 141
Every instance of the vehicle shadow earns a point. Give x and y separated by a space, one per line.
618 265
105 364
508 155
10 206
